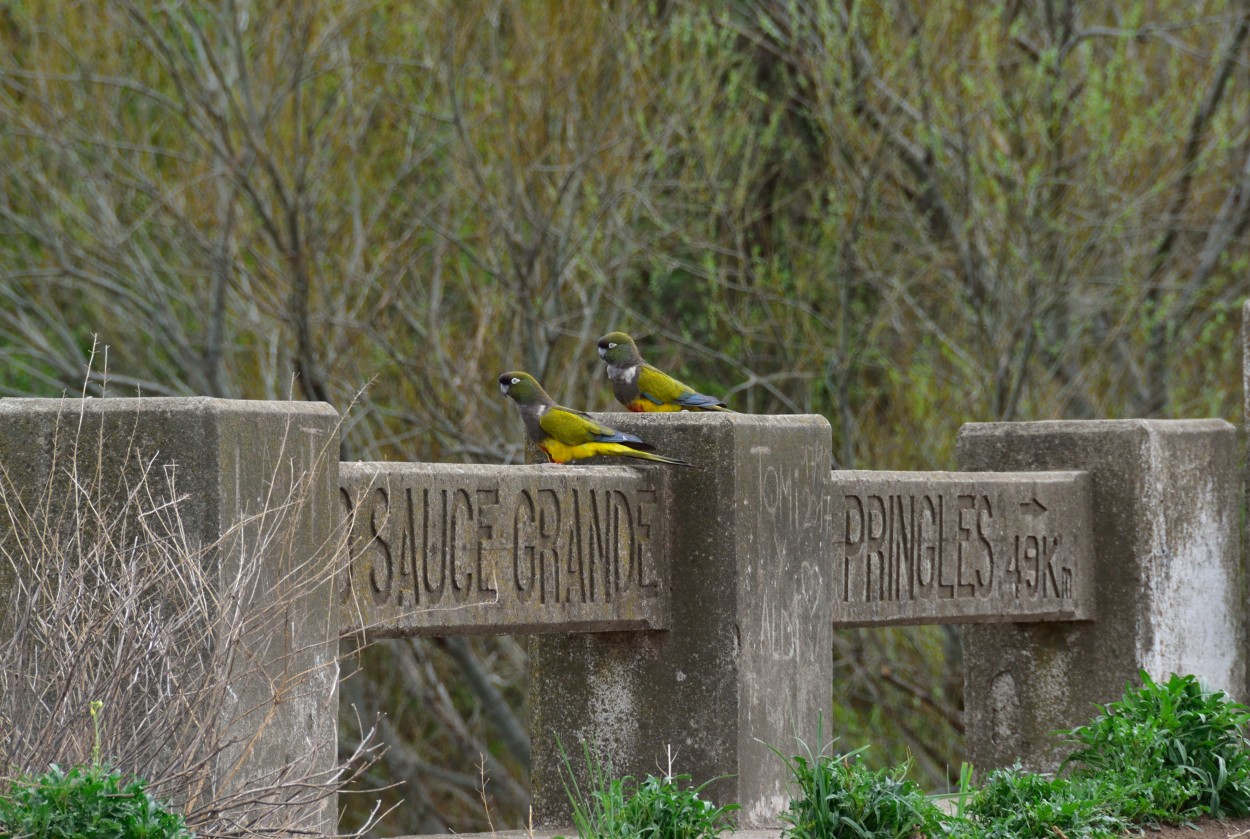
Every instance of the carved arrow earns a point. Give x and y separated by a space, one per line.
1032 508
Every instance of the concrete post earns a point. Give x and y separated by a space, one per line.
746 663
1244 452
1167 579
256 480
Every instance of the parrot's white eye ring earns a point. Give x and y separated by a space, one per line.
515 380
611 346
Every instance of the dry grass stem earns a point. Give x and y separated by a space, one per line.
111 599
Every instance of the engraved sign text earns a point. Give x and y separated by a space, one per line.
455 549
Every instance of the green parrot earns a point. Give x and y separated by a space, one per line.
642 388
564 434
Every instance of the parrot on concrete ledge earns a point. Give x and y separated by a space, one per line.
564 434
642 388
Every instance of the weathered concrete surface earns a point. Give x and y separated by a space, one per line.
1245 455
961 547
449 549
257 481
1167 579
746 663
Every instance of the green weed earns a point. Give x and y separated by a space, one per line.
1168 751
87 802
840 798
1013 804
667 807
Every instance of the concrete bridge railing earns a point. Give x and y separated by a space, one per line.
695 607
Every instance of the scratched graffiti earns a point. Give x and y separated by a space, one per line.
791 524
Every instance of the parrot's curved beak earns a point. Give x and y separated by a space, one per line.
603 353
503 388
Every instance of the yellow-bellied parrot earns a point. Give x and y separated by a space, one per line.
564 434
643 388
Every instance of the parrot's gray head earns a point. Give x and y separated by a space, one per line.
618 348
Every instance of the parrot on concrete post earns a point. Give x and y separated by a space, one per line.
564 434
642 388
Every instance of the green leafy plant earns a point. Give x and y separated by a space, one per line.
1170 751
841 798
1167 752
87 802
1014 804
667 807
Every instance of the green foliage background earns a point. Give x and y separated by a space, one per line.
902 215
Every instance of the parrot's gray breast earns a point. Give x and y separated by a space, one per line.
624 380
531 415
623 373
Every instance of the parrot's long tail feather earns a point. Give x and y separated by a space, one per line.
659 458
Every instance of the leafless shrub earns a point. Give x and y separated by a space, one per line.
113 597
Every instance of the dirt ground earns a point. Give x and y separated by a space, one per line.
1210 830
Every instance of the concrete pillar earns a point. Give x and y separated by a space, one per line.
746 663
257 482
1167 582
1244 452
